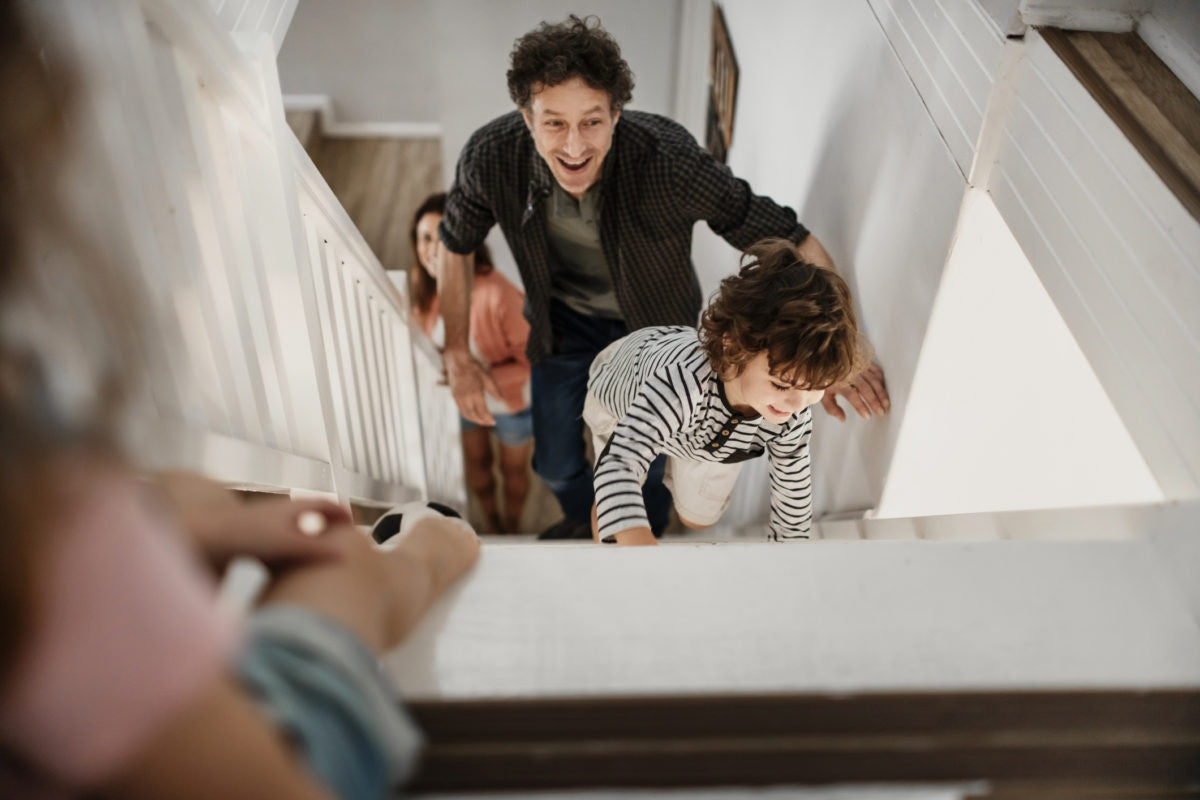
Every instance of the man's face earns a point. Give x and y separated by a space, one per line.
572 126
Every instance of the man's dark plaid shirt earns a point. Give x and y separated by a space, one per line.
656 184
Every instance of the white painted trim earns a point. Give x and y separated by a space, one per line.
1091 523
308 102
1078 19
194 28
999 102
332 126
390 130
166 444
310 181
1183 60
1111 244
691 68
283 21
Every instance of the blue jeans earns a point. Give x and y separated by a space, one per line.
513 430
322 686
558 386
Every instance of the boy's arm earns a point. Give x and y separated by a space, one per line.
658 411
636 537
791 484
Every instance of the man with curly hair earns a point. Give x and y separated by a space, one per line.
597 204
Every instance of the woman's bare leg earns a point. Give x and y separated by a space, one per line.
477 459
514 469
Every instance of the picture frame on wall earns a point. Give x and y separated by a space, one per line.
723 84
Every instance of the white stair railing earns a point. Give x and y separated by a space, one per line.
281 354
269 17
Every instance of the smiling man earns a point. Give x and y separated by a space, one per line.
597 205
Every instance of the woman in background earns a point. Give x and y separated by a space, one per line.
499 332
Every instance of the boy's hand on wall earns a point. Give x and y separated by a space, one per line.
866 392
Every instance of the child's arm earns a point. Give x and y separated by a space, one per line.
630 537
661 408
791 483
636 537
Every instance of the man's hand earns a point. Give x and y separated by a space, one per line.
468 381
866 392
468 378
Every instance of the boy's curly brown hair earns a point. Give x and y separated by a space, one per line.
575 48
801 314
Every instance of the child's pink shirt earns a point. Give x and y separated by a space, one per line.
127 634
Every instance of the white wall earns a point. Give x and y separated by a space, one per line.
828 122
443 61
1117 252
371 57
477 37
1172 29
441 64
1006 413
1104 236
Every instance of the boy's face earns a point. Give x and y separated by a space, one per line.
772 397
572 126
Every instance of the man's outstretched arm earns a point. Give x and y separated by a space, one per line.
467 377
866 391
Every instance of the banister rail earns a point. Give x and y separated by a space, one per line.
281 354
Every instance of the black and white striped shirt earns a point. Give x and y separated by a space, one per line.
660 386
